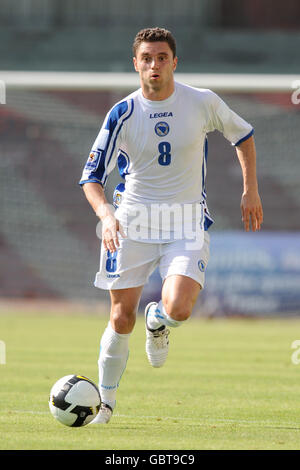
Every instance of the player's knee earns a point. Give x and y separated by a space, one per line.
122 320
179 311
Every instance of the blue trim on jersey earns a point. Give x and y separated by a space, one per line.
204 164
114 125
118 131
123 163
208 221
244 138
91 180
112 121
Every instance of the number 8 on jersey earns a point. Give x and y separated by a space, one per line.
164 157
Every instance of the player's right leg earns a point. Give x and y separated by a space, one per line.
124 273
114 347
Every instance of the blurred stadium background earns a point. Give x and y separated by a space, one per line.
48 243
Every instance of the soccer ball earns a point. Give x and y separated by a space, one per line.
74 400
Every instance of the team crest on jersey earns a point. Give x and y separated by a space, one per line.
162 128
201 265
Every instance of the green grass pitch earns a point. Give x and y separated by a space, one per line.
227 384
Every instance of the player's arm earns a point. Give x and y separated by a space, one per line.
94 193
251 206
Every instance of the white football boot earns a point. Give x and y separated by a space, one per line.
157 342
104 415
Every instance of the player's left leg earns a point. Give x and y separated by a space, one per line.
179 294
178 297
183 272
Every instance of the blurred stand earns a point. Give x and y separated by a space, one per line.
48 243
96 35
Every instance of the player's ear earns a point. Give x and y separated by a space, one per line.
175 61
135 64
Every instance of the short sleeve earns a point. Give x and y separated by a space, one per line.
103 155
231 125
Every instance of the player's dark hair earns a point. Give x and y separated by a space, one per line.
154 35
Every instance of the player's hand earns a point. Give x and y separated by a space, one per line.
252 211
110 229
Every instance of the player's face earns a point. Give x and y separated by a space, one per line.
155 64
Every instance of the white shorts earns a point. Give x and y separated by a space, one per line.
134 261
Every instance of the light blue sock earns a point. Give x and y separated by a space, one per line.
157 316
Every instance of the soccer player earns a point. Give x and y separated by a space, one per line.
158 138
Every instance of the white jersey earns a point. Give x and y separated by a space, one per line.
161 148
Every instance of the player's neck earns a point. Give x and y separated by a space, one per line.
153 93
